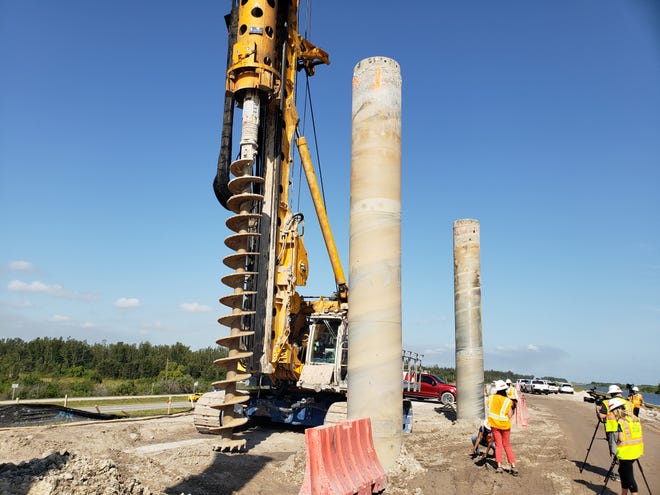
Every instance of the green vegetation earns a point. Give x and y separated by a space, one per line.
49 367
55 367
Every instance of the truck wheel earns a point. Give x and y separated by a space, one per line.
447 399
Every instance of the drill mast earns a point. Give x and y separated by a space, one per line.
270 324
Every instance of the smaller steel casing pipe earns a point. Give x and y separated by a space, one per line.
467 317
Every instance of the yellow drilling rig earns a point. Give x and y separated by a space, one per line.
290 350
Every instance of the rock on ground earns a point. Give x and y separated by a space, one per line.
168 456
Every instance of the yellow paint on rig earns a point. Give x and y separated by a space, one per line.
323 305
254 55
254 59
291 272
322 215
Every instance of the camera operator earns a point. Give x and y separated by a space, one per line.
611 426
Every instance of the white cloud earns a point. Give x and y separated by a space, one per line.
88 324
195 308
532 347
21 266
58 318
36 286
127 302
442 349
55 290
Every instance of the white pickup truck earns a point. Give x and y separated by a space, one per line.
540 387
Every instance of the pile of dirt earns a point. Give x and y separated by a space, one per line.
62 472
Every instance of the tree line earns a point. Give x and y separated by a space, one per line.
53 367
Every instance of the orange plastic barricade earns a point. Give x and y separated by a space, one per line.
341 460
522 414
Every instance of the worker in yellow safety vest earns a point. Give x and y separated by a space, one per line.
499 419
630 443
606 416
637 400
511 392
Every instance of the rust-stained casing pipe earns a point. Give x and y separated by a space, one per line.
374 338
467 311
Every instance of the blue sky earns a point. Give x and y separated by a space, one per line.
539 119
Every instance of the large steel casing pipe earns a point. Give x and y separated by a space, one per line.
374 337
467 315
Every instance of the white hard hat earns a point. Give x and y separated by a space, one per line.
615 403
508 381
614 389
499 385
635 389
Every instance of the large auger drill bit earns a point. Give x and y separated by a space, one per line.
254 66
245 223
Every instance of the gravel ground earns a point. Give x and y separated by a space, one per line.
166 455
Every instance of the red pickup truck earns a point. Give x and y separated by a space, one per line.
428 386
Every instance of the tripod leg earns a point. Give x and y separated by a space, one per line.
639 464
607 476
590 444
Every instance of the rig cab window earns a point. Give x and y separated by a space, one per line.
324 345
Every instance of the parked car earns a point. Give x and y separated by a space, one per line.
432 387
566 388
525 386
540 387
553 388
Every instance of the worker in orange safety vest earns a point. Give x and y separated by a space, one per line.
499 420
637 400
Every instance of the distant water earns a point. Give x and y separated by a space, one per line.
648 398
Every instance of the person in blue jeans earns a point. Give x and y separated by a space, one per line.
483 438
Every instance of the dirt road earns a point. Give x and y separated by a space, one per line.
578 429
168 456
549 453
